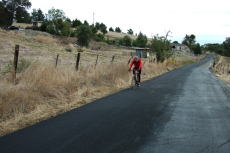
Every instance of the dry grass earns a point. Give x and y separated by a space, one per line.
46 40
114 35
119 35
222 69
22 25
43 91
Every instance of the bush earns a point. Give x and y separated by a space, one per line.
80 50
72 34
28 27
68 50
23 64
99 37
35 28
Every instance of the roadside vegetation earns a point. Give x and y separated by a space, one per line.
45 87
222 68
42 90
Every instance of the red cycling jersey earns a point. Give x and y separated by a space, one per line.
137 64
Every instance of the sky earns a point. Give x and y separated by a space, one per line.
208 20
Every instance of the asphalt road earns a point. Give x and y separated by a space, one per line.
186 110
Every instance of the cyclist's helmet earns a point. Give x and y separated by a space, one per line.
135 58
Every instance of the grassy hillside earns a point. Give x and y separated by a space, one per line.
42 90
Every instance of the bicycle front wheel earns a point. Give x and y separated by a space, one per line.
133 82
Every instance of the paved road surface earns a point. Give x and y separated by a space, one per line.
186 110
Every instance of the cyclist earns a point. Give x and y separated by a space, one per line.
137 67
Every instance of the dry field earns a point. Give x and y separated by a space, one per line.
42 90
113 35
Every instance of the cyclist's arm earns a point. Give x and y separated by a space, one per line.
140 65
131 64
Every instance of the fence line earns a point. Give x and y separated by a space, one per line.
221 68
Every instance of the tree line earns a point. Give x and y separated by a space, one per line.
55 22
221 49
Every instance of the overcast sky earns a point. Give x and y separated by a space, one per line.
208 20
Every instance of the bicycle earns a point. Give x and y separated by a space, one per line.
135 78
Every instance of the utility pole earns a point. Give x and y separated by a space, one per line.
93 19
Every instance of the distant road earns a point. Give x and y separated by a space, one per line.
184 111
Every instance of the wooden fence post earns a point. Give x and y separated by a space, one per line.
57 60
129 61
228 69
112 59
96 62
224 69
78 61
16 53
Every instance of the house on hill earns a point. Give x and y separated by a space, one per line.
142 52
180 47
37 23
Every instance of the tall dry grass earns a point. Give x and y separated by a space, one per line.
46 40
43 91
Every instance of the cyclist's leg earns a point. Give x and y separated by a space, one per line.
135 69
139 76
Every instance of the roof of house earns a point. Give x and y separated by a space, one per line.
177 44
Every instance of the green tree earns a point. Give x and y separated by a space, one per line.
55 14
76 23
117 29
86 23
97 25
22 16
111 29
99 37
196 48
130 31
93 30
215 47
65 28
45 25
175 42
56 24
9 8
6 17
103 28
141 40
226 45
189 40
161 45
37 15
83 35
127 41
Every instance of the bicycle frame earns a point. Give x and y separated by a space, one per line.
135 79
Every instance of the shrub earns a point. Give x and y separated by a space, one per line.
68 50
23 64
28 27
80 50
99 37
35 28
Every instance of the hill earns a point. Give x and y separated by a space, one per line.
111 35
